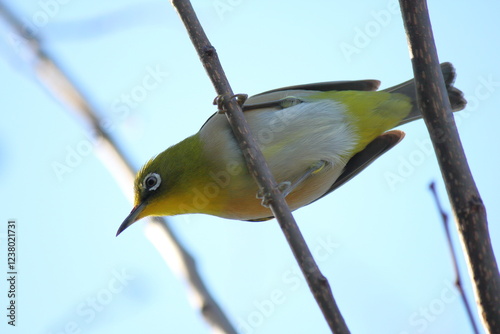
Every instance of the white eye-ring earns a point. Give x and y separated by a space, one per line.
152 181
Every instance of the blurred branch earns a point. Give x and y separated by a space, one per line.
462 191
458 278
158 230
259 170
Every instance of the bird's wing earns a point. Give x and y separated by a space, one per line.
364 158
288 96
365 85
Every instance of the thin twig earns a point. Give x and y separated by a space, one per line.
60 86
453 253
462 191
259 170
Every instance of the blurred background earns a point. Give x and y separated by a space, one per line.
378 239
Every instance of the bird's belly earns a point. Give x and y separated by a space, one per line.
244 201
292 140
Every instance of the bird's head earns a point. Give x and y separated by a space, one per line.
150 187
163 186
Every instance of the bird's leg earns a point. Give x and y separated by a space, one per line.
287 187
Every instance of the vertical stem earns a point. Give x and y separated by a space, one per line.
453 253
464 196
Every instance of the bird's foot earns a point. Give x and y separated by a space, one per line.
266 197
220 100
287 187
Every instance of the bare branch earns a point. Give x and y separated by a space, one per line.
158 230
259 170
453 253
462 191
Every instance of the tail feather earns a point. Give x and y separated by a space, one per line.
455 95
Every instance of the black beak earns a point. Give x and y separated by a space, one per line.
131 218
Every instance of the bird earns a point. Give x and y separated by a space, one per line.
314 138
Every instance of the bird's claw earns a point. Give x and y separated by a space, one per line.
266 197
220 100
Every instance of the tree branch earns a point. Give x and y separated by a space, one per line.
464 196
458 277
259 170
158 231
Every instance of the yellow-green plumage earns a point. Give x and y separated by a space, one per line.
178 184
372 113
340 125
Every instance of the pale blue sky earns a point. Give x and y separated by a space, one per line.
380 243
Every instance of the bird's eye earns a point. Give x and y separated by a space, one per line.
152 181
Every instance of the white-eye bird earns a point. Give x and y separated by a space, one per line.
314 138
